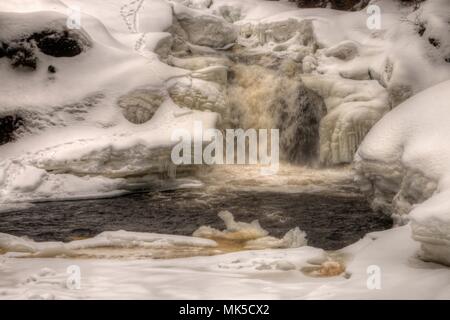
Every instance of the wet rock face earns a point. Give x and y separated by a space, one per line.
299 125
8 126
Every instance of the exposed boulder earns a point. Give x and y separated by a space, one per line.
140 105
196 4
198 94
345 50
229 13
164 46
21 54
206 30
60 43
278 32
8 126
347 5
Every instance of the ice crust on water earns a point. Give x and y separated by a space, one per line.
111 239
252 234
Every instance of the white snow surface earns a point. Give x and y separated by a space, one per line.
77 120
256 274
416 134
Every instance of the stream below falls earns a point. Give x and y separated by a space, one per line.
324 203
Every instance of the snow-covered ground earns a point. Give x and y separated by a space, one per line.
99 123
383 265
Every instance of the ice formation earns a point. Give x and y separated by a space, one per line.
246 235
107 239
251 234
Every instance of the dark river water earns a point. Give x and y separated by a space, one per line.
331 221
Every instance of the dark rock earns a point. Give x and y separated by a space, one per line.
58 43
8 126
21 54
299 126
2 50
421 28
434 42
335 4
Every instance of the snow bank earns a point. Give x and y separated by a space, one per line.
261 274
84 130
404 164
107 239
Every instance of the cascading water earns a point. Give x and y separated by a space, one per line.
262 98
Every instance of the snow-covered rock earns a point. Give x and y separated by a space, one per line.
205 30
345 50
353 107
91 130
196 4
198 94
139 106
404 165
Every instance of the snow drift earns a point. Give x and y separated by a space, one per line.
404 165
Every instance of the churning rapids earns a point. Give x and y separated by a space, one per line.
324 203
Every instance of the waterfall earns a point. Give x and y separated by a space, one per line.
263 98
